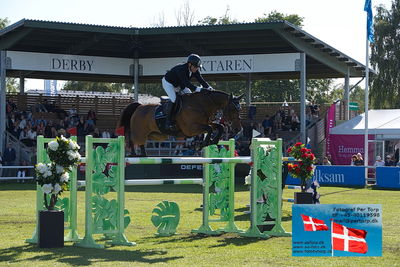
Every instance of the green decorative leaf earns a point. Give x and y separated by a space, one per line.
101 183
166 217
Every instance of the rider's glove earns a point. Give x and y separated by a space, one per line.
198 89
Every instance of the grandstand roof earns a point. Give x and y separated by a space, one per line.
323 61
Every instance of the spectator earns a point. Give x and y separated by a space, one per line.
278 121
22 172
9 157
353 160
359 161
96 133
389 161
295 122
314 109
47 129
379 162
32 136
91 117
267 125
106 134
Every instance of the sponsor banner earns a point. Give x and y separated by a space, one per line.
150 66
335 175
342 147
388 177
182 170
338 230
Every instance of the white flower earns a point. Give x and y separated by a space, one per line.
47 174
47 188
42 168
63 138
77 155
57 189
247 180
71 154
59 169
53 145
64 177
73 145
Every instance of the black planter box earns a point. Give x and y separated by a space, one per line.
303 198
51 229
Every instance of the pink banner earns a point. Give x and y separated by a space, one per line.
330 123
342 147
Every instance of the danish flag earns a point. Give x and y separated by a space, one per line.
348 239
312 224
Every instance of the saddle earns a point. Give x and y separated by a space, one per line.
160 114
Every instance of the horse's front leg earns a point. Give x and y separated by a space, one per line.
207 140
217 137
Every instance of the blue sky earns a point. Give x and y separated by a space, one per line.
340 23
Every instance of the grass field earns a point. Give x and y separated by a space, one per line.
17 218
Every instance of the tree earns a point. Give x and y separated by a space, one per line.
96 86
275 15
385 58
225 19
185 15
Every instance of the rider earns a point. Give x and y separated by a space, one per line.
178 80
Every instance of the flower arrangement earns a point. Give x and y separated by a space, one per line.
53 177
304 169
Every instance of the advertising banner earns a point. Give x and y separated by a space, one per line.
342 147
335 175
337 230
388 177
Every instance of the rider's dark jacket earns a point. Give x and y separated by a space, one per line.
179 76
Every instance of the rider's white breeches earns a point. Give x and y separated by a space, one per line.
171 90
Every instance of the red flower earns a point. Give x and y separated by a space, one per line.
289 149
303 150
298 144
309 168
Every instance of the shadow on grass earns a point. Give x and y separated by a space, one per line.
222 240
341 191
13 186
82 256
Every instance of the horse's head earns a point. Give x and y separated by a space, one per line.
232 112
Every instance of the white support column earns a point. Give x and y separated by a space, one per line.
2 98
347 95
303 89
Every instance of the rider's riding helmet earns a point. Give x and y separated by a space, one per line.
195 60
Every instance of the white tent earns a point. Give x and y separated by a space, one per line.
383 123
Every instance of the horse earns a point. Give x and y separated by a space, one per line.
192 118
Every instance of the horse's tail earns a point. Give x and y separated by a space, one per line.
125 119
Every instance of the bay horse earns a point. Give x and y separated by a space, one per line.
193 118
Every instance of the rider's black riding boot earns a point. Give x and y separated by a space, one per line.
169 123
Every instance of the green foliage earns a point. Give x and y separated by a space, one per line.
275 15
225 19
166 218
385 58
96 86
219 183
